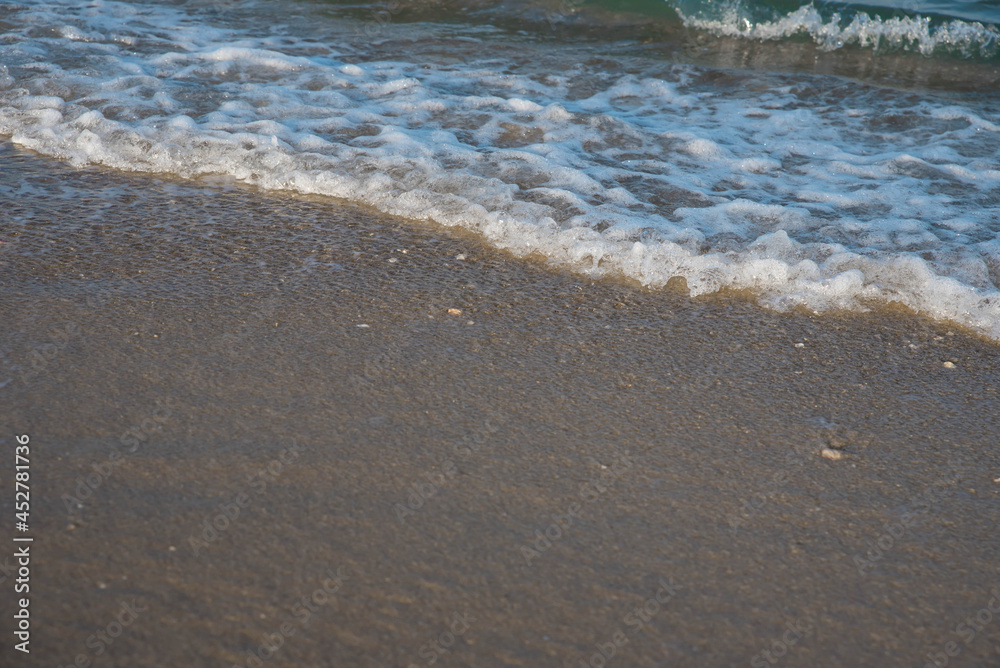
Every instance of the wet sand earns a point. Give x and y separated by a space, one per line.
254 419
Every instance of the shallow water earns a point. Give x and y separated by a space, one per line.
601 154
218 325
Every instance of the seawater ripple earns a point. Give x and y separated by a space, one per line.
807 191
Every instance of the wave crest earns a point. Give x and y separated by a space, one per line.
910 33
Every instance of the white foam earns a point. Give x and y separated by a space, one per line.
969 38
838 197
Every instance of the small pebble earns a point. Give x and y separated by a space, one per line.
392 259
949 365
800 345
455 311
832 454
460 256
364 326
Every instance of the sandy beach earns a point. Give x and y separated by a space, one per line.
277 430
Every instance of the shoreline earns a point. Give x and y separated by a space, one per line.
666 439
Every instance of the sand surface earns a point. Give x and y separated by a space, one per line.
292 444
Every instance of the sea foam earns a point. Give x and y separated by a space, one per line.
917 33
807 191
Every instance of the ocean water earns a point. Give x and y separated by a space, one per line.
815 155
